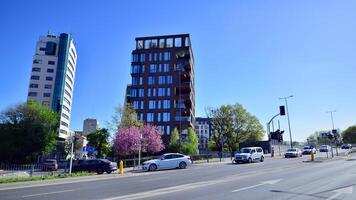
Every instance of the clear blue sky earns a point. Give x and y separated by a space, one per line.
251 52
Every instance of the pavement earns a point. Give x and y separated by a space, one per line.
276 178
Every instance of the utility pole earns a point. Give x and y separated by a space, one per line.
71 155
290 131
332 130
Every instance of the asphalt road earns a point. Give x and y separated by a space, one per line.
276 178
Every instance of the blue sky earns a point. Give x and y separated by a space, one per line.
251 52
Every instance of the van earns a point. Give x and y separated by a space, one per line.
249 155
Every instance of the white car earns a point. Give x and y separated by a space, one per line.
168 161
295 152
324 148
249 155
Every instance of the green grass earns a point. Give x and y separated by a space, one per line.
45 177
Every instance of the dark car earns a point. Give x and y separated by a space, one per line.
95 165
346 146
50 165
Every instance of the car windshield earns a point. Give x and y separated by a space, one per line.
245 150
292 149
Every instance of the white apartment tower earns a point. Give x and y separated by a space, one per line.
53 75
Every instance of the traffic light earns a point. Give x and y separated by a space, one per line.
282 111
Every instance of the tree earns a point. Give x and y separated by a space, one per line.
191 147
349 135
124 116
317 139
26 131
77 147
99 139
173 142
234 125
127 140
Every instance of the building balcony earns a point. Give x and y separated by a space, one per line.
185 54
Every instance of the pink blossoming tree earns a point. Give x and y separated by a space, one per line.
127 140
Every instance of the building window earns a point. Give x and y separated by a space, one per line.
168 91
139 44
37 61
161 43
141 92
151 80
161 92
140 116
142 105
48 86
36 69
33 85
169 42
166 116
166 67
66 100
166 56
70 72
159 104
166 104
158 117
49 78
187 42
149 92
46 94
153 68
50 70
51 62
134 80
168 130
140 80
142 57
35 77
65 116
68 93
64 124
32 94
169 79
150 117
65 108
45 103
178 42
135 105
134 93
152 104
154 92
134 57
62 131
161 80
70 80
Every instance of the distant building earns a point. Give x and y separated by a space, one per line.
52 77
204 131
162 89
90 125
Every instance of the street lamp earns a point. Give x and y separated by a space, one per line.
332 118
139 152
290 132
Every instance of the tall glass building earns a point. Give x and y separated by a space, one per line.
52 77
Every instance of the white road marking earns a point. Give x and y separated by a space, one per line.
271 182
47 193
346 190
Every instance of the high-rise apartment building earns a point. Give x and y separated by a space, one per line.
52 76
90 125
162 88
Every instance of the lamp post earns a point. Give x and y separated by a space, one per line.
332 131
332 118
71 154
139 152
290 131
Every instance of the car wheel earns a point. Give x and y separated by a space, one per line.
152 167
262 159
109 171
249 160
100 171
182 165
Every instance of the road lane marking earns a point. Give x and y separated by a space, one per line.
271 182
46 193
346 190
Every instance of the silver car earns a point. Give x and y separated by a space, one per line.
293 152
168 161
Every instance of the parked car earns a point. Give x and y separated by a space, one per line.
293 152
307 150
50 165
250 154
168 161
95 165
346 146
324 148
